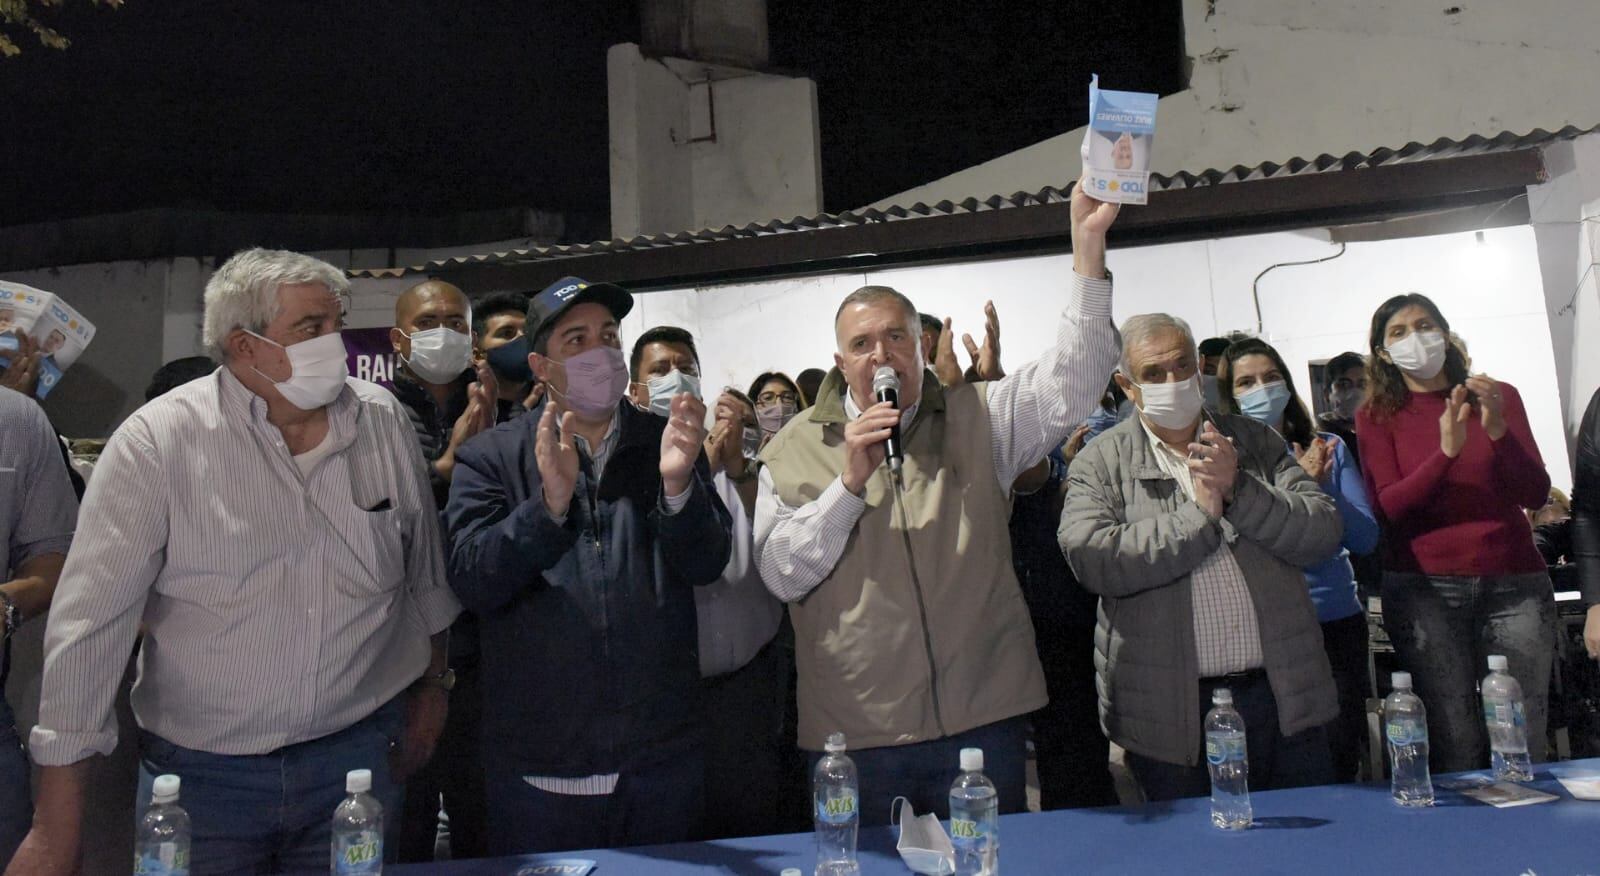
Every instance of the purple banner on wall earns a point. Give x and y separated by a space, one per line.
368 355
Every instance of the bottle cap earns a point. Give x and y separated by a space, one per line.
835 743
971 760
1221 697
358 781
1497 663
165 789
1400 681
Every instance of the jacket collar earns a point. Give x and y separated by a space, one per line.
829 408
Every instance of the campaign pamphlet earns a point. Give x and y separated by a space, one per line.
1497 794
60 331
1116 146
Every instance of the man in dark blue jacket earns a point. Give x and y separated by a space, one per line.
576 533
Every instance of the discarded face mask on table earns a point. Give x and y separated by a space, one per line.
923 844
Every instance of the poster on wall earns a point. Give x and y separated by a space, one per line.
60 332
368 355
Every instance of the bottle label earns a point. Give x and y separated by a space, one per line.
165 859
1405 731
966 831
1502 712
1222 748
359 852
837 808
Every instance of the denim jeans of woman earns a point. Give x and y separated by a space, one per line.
1444 628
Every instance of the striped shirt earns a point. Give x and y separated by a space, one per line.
1031 411
278 607
1227 635
38 508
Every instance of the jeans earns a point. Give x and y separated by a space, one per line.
1276 761
652 805
1345 641
1445 628
924 771
273 813
16 805
743 723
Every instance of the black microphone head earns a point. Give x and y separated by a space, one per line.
885 378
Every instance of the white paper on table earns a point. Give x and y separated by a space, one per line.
1581 787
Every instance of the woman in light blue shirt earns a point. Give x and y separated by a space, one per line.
1253 380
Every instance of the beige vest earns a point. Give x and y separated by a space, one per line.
920 631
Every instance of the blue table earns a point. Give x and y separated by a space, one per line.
1338 829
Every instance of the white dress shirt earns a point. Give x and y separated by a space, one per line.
278 607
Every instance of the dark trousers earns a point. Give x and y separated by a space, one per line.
923 772
16 807
272 813
1276 761
1345 641
1445 628
743 725
1070 749
456 774
652 805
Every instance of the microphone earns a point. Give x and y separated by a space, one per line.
886 386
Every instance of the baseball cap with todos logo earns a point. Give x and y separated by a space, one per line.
511 359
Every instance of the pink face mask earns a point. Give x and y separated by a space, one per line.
596 380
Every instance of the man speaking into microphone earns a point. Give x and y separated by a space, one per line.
911 636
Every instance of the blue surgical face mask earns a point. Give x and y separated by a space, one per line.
1266 402
665 386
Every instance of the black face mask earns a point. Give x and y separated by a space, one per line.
507 365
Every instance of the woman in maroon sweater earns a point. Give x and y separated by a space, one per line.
1450 463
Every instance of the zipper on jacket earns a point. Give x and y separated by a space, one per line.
922 608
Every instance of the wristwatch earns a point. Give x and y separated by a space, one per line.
10 618
445 680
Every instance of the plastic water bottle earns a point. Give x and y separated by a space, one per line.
1508 727
358 829
1229 762
162 845
975 818
1405 725
834 791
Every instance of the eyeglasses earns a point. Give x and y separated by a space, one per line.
767 398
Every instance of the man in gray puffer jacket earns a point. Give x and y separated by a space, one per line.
1193 528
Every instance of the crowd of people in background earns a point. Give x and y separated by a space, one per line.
557 593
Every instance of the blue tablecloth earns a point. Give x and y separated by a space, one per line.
1337 829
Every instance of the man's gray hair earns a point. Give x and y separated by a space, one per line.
879 294
243 293
1138 329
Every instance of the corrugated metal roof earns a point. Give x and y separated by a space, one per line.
1413 152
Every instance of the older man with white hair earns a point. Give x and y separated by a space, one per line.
272 529
1193 528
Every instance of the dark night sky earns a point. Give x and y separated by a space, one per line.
418 106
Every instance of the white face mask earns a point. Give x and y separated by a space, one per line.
923 844
439 355
665 386
1420 354
316 371
1345 402
1171 405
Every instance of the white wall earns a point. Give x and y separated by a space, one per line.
668 172
1491 292
1275 79
1566 216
